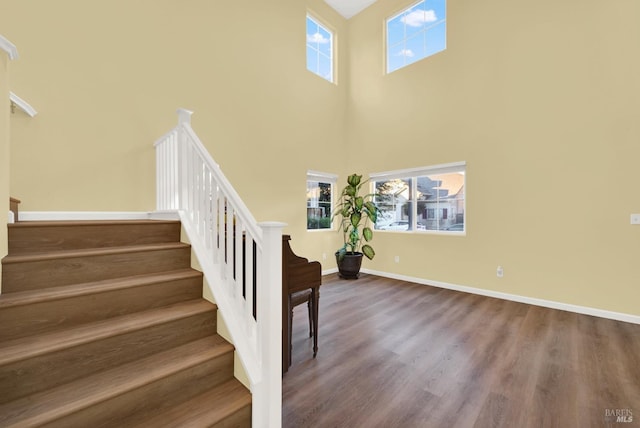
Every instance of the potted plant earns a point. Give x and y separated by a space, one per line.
355 211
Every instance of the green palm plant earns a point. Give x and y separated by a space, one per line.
356 212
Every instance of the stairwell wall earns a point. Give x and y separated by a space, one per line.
108 77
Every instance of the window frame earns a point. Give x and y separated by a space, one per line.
434 213
406 38
325 178
332 49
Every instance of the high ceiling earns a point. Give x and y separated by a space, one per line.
349 8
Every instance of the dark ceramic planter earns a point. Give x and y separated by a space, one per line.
349 267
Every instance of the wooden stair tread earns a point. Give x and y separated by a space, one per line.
28 297
68 254
67 399
103 323
31 346
229 397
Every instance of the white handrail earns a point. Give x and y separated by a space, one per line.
241 259
22 104
8 47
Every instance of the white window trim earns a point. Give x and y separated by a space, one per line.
413 172
322 176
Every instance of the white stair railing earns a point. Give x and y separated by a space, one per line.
240 258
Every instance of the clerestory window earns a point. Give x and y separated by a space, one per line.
319 49
415 33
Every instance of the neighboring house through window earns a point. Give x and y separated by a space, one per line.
319 199
415 33
319 49
422 199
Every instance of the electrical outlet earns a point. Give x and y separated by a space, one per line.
397 259
635 218
324 256
499 272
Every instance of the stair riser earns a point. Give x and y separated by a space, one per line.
151 398
46 316
25 238
49 370
55 272
240 419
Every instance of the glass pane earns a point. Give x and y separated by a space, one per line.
318 205
417 18
324 67
436 39
441 202
312 30
395 30
312 60
439 8
416 48
394 201
324 41
395 57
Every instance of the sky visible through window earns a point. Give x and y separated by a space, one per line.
319 49
416 33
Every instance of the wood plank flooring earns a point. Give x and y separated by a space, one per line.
398 354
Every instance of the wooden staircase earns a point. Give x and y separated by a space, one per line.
103 324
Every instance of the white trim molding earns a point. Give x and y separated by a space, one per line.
601 313
329 271
414 172
84 215
322 176
22 104
9 48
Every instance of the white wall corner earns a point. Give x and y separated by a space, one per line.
9 48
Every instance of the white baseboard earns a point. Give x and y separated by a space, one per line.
634 319
330 271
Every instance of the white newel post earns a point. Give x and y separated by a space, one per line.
269 303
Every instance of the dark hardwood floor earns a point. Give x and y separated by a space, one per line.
398 354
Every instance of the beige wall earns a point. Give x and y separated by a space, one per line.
4 154
107 78
542 100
